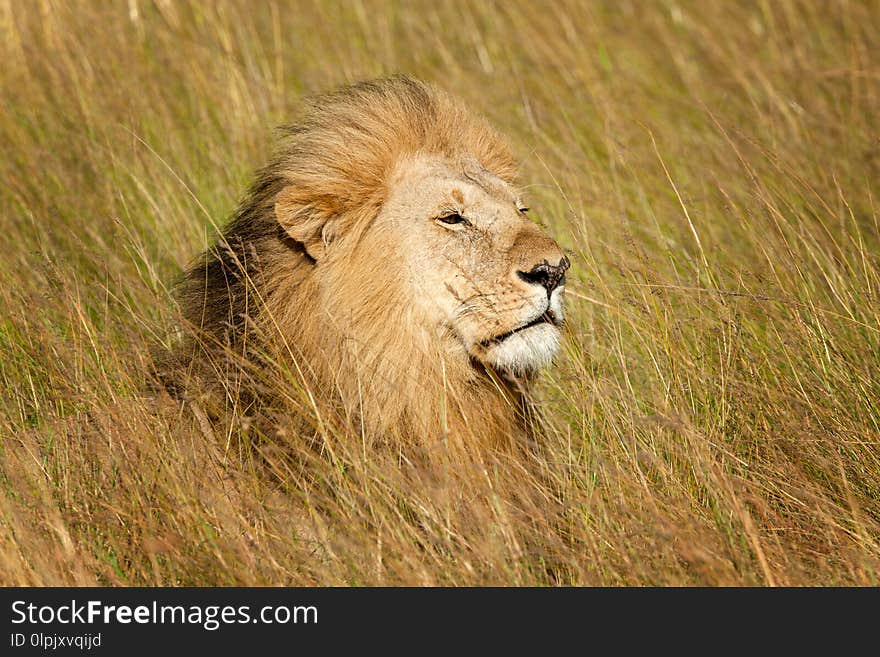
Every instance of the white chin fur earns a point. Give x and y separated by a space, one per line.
525 352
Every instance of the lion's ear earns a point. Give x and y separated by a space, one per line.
309 221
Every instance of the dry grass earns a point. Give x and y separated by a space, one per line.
711 167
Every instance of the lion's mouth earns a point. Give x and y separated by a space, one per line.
547 317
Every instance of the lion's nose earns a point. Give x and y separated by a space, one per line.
547 275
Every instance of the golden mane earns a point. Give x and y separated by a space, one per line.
257 297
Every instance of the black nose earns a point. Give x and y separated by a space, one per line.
550 276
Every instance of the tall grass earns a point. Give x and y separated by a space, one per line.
711 168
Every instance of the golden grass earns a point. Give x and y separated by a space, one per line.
711 167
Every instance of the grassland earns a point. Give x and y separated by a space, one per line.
711 167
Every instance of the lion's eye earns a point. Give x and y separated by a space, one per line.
452 219
523 210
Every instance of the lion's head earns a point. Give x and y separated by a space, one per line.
387 251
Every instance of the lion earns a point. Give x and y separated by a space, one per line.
385 256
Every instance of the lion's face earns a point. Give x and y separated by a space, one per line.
476 268
386 255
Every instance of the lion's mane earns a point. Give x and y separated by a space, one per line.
255 297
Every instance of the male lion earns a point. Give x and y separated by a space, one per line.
385 257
